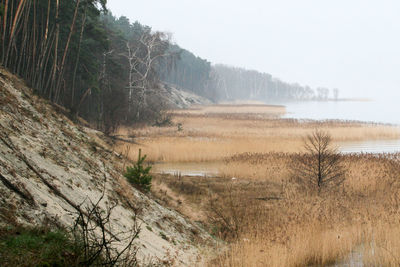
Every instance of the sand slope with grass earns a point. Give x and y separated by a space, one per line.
49 166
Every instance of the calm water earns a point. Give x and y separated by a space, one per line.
379 111
208 169
373 146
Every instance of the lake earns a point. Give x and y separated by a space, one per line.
371 146
378 111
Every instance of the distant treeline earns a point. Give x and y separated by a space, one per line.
238 83
108 70
221 82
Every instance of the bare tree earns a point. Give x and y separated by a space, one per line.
142 56
321 166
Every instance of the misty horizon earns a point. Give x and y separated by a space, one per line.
346 45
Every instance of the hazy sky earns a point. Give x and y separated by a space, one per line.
353 45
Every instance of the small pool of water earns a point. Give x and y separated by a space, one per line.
208 169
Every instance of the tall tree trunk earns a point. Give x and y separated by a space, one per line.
4 31
77 58
46 32
34 44
61 71
13 28
55 65
24 44
45 46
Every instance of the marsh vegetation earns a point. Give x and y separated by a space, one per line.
268 216
217 132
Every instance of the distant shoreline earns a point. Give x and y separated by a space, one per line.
328 100
248 105
281 103
348 100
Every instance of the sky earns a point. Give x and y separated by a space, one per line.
352 45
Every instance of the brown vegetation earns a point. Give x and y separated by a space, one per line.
268 217
223 133
321 166
276 222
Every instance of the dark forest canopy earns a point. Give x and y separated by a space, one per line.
76 54
191 73
108 70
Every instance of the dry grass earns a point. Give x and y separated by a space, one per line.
279 224
230 130
171 149
384 246
269 110
268 218
308 247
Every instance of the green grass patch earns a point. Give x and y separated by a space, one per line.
37 247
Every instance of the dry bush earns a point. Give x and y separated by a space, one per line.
321 167
99 243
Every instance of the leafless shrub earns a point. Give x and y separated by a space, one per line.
321 166
100 245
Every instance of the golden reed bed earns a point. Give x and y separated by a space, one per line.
213 133
266 217
276 222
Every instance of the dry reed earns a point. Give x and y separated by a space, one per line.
267 218
230 130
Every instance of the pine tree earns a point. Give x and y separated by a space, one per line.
138 175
